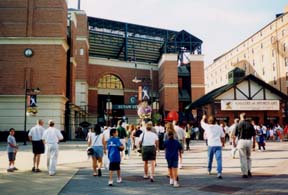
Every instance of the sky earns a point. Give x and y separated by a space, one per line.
220 24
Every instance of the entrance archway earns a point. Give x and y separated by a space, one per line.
110 87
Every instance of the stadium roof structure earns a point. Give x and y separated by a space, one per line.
131 42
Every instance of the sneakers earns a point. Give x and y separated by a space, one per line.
219 176
119 180
249 174
244 176
15 169
209 173
38 170
171 182
10 170
145 177
180 166
33 169
99 172
151 179
110 183
176 185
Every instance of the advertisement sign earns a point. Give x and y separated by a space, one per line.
250 105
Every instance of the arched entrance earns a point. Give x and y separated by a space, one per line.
110 87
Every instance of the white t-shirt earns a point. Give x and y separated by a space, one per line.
180 132
160 129
106 134
36 133
52 135
96 140
213 134
149 138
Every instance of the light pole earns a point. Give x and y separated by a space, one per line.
28 92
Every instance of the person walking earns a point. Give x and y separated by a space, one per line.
122 136
51 138
114 147
12 149
231 131
172 150
181 138
35 136
149 142
245 131
215 140
96 140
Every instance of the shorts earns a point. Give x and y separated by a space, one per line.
98 151
11 156
148 153
38 147
114 166
172 163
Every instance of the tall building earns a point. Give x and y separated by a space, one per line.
90 70
264 54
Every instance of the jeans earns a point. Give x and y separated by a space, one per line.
217 150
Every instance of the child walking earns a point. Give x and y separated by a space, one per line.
114 147
12 148
172 150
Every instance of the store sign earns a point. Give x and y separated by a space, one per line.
250 105
124 107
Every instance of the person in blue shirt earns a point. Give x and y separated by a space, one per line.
172 150
114 147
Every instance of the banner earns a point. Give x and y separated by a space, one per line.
250 105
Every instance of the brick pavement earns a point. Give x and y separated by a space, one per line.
270 174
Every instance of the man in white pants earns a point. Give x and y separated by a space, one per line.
51 138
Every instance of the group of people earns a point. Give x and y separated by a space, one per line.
41 138
114 141
118 142
145 138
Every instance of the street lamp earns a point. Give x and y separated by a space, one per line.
108 108
32 104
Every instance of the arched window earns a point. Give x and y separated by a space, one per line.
110 81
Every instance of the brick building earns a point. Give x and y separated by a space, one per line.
79 63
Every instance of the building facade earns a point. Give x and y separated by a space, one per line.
264 54
90 69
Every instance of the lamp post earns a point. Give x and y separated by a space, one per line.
108 108
28 92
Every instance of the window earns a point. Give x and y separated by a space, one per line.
283 32
110 82
253 62
274 66
286 76
286 61
244 55
252 50
262 58
261 45
272 52
275 82
284 47
263 71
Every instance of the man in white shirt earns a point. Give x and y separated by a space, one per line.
35 135
51 138
216 139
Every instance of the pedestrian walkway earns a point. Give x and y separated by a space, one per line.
74 175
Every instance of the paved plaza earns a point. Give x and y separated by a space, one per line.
74 175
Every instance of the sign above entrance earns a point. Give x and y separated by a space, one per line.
124 107
250 105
